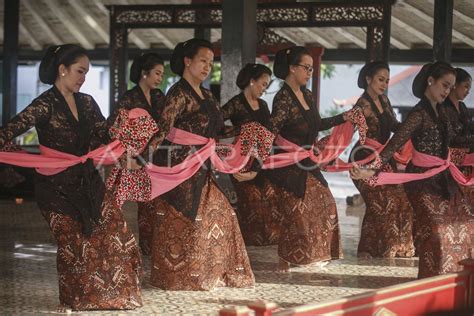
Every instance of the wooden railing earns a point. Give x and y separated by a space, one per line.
450 292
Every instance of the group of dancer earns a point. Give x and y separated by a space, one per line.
197 228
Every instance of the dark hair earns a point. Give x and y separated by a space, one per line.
186 49
462 75
251 71
369 70
285 58
55 56
144 62
435 70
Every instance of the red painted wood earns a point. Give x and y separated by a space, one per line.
412 298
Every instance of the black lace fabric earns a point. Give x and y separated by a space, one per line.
300 126
461 124
380 124
185 109
431 134
239 112
135 98
78 191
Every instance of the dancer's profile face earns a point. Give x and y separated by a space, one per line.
72 77
378 83
259 86
303 71
200 65
462 89
153 78
440 88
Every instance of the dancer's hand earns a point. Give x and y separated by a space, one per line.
247 176
361 173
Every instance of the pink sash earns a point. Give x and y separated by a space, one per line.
468 160
52 161
164 179
338 141
423 160
402 157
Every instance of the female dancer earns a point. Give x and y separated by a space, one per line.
147 73
258 216
388 220
461 119
98 261
444 218
197 244
309 230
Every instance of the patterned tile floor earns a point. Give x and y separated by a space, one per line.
28 277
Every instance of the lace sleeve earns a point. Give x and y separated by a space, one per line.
463 141
280 113
228 110
38 112
330 122
174 106
412 123
99 122
394 123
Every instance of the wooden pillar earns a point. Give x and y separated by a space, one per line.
378 37
316 54
239 42
386 31
118 60
370 45
10 58
202 33
443 30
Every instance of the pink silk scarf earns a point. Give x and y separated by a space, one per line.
52 161
403 157
338 141
437 164
164 179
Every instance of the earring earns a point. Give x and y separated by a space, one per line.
187 65
63 74
251 83
144 77
430 83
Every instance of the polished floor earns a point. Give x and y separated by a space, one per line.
28 280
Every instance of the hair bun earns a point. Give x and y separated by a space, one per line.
188 49
368 70
249 72
177 59
280 65
419 84
56 55
144 62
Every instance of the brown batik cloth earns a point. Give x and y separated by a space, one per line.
101 271
199 254
444 231
258 214
146 223
387 227
310 230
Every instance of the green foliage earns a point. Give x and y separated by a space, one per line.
216 73
328 71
